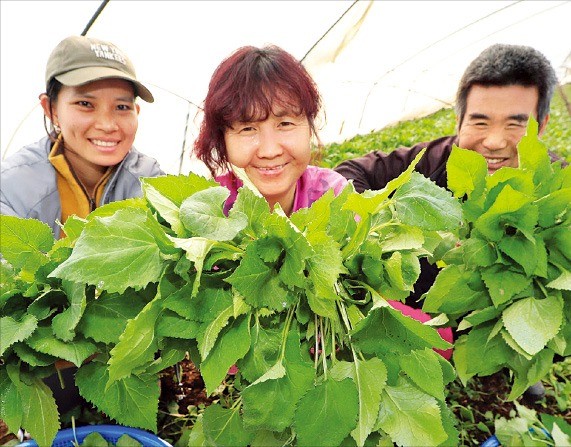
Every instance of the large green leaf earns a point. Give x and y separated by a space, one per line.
28 404
32 357
12 331
206 306
466 171
25 242
169 324
387 330
452 292
270 404
202 215
503 283
525 252
532 154
263 353
64 323
370 376
137 344
258 283
317 217
517 179
327 413
196 249
40 414
325 264
233 343
533 322
485 353
553 206
562 282
478 253
410 416
196 437
423 368
131 401
224 427
11 411
114 253
168 210
104 319
43 340
207 339
294 249
176 188
257 210
402 270
529 372
372 201
422 203
511 209
401 237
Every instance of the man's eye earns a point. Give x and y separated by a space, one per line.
124 107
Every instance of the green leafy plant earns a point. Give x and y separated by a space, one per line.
526 429
509 280
559 381
97 440
298 304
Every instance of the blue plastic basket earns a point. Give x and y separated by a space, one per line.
492 441
111 433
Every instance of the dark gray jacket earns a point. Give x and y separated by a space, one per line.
375 169
28 185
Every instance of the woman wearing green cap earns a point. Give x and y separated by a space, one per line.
87 159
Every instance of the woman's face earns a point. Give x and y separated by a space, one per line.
274 153
98 122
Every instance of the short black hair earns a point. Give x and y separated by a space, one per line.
502 65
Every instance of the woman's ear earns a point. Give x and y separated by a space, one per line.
543 125
46 105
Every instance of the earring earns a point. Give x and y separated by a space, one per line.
57 128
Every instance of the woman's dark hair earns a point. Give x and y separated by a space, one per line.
52 92
245 87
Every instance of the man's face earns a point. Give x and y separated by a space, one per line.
496 120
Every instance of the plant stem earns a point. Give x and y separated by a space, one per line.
316 348
287 325
322 340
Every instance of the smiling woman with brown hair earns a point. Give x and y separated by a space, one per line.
259 116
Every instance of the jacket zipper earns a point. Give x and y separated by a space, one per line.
91 200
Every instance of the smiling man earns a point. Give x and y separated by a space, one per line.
498 92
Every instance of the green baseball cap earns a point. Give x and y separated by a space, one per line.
78 60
